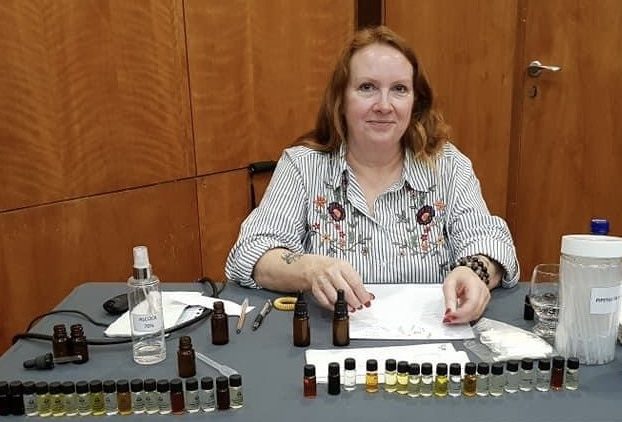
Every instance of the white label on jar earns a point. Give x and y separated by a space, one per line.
146 323
605 300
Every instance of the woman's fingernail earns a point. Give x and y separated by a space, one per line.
360 307
367 304
372 296
447 311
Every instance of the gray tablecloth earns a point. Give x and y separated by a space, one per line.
271 369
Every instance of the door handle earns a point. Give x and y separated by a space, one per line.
535 68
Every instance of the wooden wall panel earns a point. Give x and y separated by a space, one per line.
467 50
46 251
94 98
257 72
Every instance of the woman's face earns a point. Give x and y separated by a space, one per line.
379 96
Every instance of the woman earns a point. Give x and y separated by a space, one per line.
376 194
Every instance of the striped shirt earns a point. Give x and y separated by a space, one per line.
433 215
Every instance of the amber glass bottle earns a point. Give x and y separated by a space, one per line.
186 361
220 325
301 328
341 321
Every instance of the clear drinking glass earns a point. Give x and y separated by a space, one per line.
544 298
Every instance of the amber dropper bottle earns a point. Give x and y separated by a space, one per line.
301 328
186 361
341 321
220 325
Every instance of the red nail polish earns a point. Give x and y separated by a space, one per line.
447 311
367 304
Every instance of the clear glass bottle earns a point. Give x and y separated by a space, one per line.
70 398
98 407
497 380
138 401
30 399
57 403
83 398
526 375
164 397
110 398
44 400
427 380
124 397
390 375
146 317
483 379
371 376
414 380
469 385
512 376
571 381
151 397
349 375
455 380
192 395
235 391
402 377
441 382
543 375
207 396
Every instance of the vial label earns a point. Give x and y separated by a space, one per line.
138 403
146 323
237 399
207 400
84 405
193 403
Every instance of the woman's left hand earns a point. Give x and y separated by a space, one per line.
466 296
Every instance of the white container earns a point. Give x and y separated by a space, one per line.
589 295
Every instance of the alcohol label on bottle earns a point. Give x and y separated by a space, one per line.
146 323
605 300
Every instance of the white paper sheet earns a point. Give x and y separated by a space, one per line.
174 304
406 312
420 353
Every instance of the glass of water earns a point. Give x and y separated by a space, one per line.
544 298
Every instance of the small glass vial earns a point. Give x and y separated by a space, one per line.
390 375
207 396
526 375
440 381
349 374
469 385
124 397
151 397
455 380
186 361
572 374
60 342
30 399
219 324
164 397
497 380
110 398
371 376
138 400
83 399
98 407
512 376
78 343
16 399
483 379
543 375
192 395
5 408
427 380
414 380
223 399
235 391
309 383
557 373
56 399
70 399
334 379
44 401
178 405
402 377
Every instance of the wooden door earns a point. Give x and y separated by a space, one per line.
569 151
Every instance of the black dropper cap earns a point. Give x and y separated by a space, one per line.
512 365
544 364
483 368
441 369
55 387
333 369
497 368
136 385
222 383
41 388
390 365
162 386
341 309
426 368
349 364
82 387
558 362
455 369
301 310
414 369
207 383
40 362
123 386
371 365
68 387
192 384
573 363
95 386
150 384
110 386
526 364
470 368
309 370
402 367
29 387
177 385
235 380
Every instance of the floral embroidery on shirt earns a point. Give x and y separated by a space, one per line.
425 215
333 219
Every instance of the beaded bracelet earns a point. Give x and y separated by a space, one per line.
476 264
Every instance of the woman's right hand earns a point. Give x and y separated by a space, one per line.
325 275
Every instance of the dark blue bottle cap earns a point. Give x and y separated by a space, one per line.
600 226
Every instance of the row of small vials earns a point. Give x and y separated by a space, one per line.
121 397
480 379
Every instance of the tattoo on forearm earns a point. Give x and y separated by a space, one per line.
291 257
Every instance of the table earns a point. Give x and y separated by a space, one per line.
272 368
